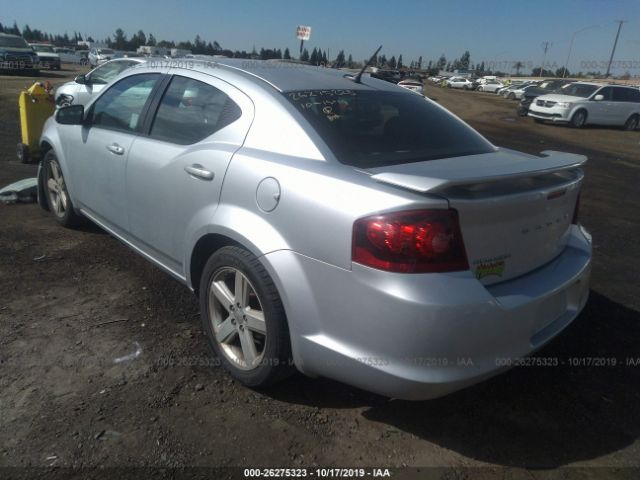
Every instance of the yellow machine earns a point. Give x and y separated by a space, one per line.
36 105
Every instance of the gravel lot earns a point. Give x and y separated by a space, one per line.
73 301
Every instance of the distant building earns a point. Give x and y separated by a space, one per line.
179 52
152 50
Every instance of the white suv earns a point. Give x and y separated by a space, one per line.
584 103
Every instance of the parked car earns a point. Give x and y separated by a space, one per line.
17 55
84 87
68 55
100 55
583 103
414 84
543 88
517 92
343 226
460 82
490 86
46 56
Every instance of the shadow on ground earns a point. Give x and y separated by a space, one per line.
534 417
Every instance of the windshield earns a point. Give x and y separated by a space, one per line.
13 42
579 90
369 129
42 48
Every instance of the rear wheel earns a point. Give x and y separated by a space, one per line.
579 119
632 123
511 96
244 319
57 194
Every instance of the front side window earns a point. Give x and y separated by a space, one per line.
369 129
191 110
120 107
606 92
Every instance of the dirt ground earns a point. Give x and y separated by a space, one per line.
74 301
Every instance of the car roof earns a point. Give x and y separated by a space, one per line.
291 76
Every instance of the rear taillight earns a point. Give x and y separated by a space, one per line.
576 211
416 241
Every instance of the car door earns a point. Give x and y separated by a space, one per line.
599 111
622 106
175 172
97 156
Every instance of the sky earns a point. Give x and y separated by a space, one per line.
499 32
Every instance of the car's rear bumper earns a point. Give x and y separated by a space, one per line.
424 335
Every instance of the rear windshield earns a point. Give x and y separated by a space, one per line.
369 129
14 42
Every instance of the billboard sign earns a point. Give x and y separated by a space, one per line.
303 32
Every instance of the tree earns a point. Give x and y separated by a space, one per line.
120 40
519 65
442 61
392 62
340 61
463 64
151 40
324 59
350 61
420 63
400 61
305 55
287 54
313 60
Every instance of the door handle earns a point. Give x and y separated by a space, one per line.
197 170
115 148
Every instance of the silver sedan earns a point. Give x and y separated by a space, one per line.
335 224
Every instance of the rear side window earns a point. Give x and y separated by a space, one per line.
120 107
622 94
369 129
191 110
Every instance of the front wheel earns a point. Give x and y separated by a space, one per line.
57 194
244 319
579 119
632 123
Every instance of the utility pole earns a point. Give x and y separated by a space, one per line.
545 46
566 63
615 44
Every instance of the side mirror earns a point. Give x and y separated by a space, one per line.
71 115
81 79
598 98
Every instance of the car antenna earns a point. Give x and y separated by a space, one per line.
359 76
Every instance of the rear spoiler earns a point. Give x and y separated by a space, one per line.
434 179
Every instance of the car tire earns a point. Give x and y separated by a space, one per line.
579 119
632 123
256 353
511 96
57 194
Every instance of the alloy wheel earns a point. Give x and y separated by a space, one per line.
237 318
56 189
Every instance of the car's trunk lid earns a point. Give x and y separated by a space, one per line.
515 210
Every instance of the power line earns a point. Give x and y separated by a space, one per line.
545 46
